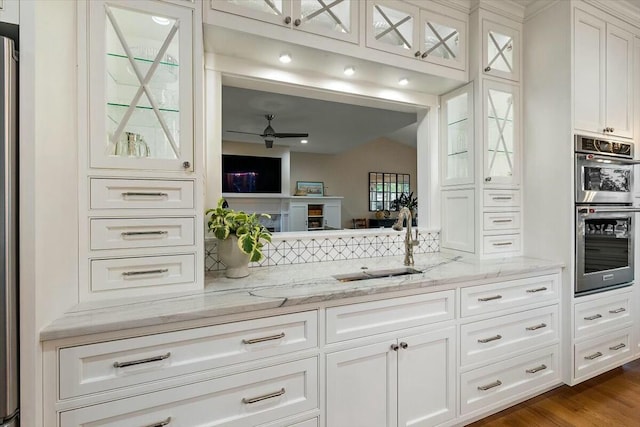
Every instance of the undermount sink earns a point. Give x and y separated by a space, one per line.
376 274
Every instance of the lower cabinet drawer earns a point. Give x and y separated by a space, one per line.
496 221
125 233
141 194
245 399
501 243
480 342
110 365
602 353
593 317
137 272
504 382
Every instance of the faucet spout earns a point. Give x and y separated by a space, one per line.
409 242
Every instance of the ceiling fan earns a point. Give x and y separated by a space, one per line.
269 134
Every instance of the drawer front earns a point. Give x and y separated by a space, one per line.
501 198
502 243
602 353
121 233
370 318
504 382
249 398
92 368
595 316
128 273
496 221
307 423
481 342
141 194
492 297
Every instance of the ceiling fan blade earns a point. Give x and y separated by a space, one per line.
290 135
246 133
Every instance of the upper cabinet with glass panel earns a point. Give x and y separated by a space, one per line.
402 28
331 18
500 51
141 84
456 127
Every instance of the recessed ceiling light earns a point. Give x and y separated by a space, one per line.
285 58
349 71
160 20
403 81
303 141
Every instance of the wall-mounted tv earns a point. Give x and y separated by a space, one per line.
251 174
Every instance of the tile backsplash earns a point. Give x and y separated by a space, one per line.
300 250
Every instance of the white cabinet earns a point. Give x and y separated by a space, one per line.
10 11
456 136
603 77
312 213
399 27
500 50
458 222
407 381
335 19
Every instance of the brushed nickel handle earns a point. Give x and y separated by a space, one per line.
263 339
143 233
618 310
394 347
141 361
404 345
502 243
143 272
287 20
251 400
593 356
489 386
144 194
484 299
487 69
486 340
161 423
535 327
496 221
536 369
502 198
618 347
297 22
417 54
532 291
594 317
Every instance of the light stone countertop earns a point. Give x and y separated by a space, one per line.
283 286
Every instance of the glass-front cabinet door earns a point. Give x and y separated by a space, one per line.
500 51
331 18
501 133
443 40
273 11
140 85
392 26
457 136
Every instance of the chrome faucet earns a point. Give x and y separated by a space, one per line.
409 241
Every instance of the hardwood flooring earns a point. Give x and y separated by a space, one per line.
611 399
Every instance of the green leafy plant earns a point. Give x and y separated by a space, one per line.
251 234
404 201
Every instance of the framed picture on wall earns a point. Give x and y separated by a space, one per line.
311 188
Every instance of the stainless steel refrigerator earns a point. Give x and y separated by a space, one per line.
9 396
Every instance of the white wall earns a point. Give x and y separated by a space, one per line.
48 182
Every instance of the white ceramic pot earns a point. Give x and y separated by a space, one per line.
236 261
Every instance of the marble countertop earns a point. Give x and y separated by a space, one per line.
283 286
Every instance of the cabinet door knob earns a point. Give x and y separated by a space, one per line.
605 130
404 345
417 54
297 22
487 69
287 20
394 347
611 129
186 165
487 179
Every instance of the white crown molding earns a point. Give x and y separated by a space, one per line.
537 6
459 5
508 8
621 9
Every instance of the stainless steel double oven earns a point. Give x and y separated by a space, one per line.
605 216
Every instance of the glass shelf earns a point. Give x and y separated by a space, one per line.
120 70
142 116
113 104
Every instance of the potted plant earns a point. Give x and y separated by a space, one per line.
241 237
405 201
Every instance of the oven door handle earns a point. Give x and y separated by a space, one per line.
607 159
605 209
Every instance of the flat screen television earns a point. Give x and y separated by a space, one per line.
251 174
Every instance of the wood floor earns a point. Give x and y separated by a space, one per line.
611 399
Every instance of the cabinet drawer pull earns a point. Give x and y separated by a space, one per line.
593 356
144 194
141 361
263 397
263 339
536 369
486 340
502 197
143 233
594 317
502 244
618 347
496 221
490 298
488 386
533 291
161 423
533 328
618 310
139 273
